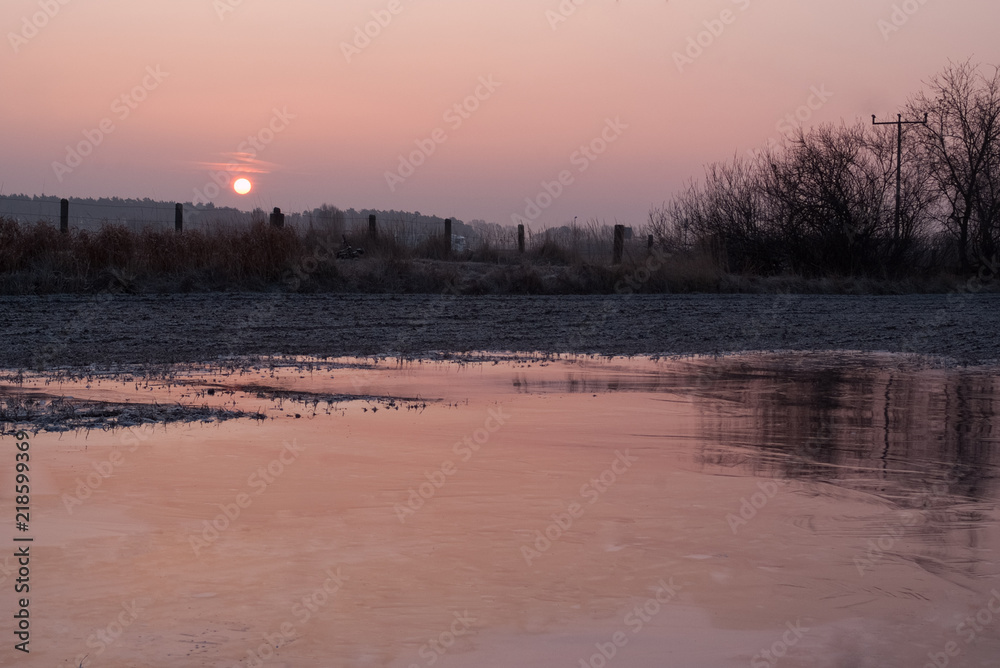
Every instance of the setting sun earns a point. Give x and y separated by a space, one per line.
242 186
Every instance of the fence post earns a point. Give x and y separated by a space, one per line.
520 238
372 227
277 218
64 216
649 243
178 218
619 244
447 236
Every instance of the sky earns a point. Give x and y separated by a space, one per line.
535 111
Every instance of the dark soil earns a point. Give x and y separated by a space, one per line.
109 330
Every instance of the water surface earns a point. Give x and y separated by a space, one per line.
761 510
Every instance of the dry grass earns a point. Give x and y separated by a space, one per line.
37 259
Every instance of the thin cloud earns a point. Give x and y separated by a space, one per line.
243 163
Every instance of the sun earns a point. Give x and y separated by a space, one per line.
242 186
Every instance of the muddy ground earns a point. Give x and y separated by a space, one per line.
48 332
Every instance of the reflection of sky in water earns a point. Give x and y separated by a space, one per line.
851 494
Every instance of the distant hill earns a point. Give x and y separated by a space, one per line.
91 213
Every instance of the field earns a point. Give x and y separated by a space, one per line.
110 329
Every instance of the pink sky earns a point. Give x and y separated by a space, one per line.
227 66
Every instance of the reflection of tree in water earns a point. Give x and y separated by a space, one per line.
890 431
971 444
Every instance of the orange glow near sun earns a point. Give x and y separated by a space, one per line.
242 186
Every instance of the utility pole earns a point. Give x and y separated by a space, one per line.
899 123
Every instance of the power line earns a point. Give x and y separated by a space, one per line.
899 123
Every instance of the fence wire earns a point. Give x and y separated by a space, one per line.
592 243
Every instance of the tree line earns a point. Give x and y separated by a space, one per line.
825 202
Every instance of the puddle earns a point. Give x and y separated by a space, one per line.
762 510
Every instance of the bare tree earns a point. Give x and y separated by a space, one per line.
959 147
829 191
825 201
329 220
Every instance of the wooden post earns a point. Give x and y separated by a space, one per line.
520 238
372 227
649 243
619 244
64 216
277 218
178 218
447 236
